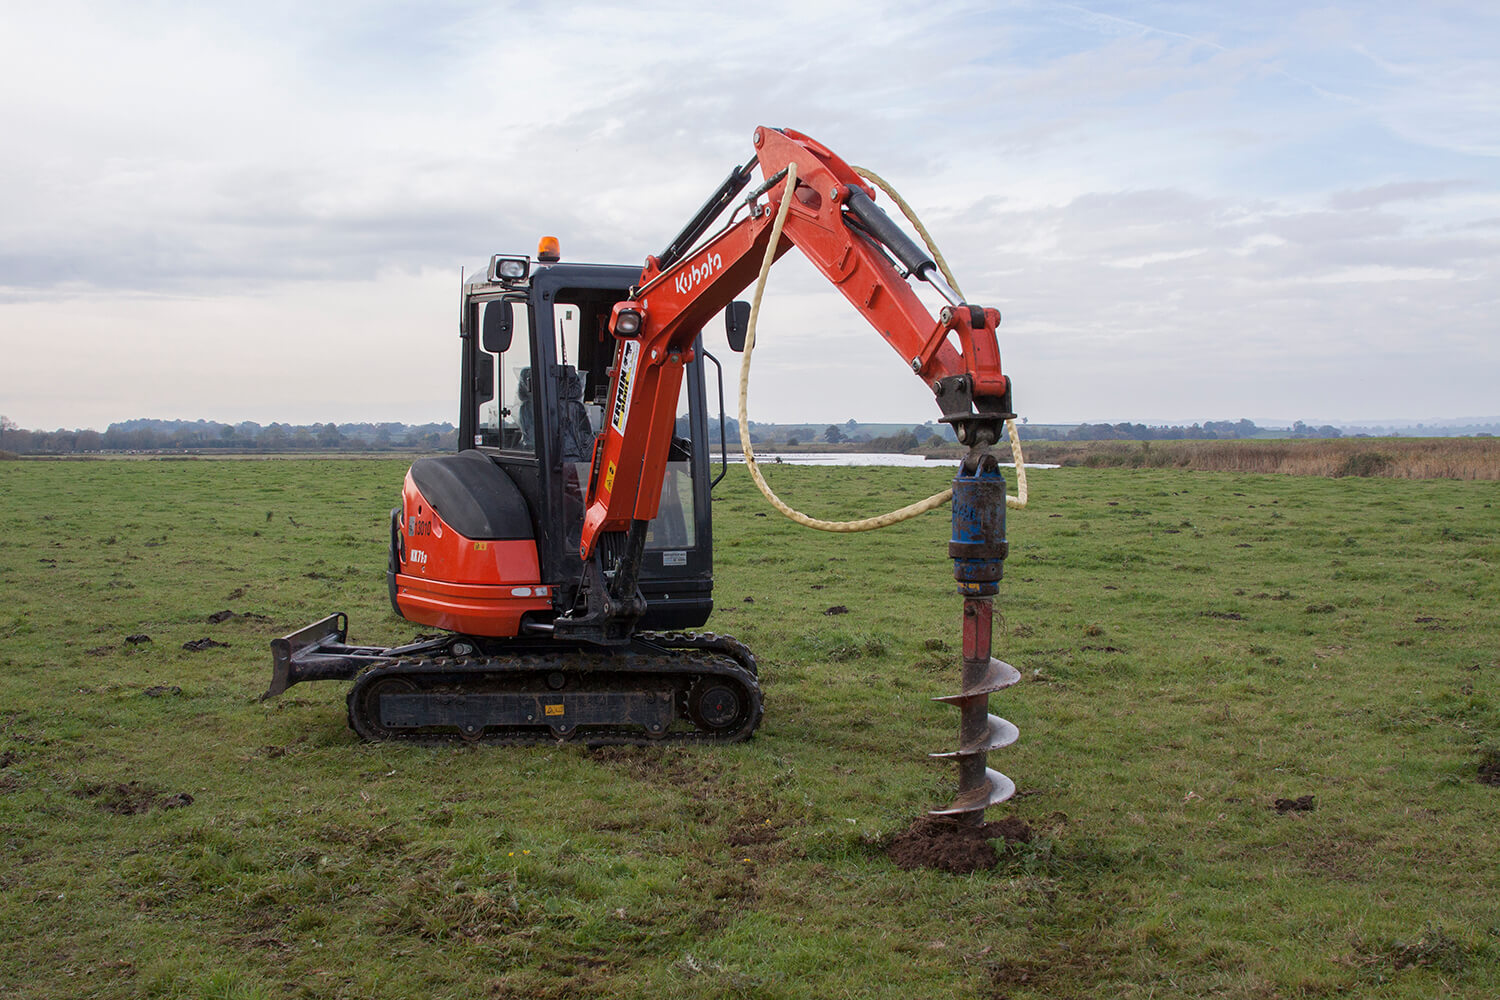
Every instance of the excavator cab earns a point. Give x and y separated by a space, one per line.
486 545
536 357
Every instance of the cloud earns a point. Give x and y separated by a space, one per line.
1235 304
1184 211
384 348
1384 194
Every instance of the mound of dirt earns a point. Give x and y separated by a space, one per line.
219 617
934 842
132 798
1302 803
1489 769
198 645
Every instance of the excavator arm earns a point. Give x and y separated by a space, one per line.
834 221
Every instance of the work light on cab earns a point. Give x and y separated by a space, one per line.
627 321
509 268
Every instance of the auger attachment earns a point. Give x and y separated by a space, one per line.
978 549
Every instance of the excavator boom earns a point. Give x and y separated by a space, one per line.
835 223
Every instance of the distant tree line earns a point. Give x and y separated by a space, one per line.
1425 430
918 438
1212 430
210 435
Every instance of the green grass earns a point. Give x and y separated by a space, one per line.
1195 646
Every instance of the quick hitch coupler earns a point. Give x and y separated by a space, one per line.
978 549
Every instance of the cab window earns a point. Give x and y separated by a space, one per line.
507 413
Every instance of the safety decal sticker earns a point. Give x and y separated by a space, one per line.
629 356
609 477
553 709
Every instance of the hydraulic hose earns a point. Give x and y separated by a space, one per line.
868 523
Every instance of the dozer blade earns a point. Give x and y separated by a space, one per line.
317 653
995 790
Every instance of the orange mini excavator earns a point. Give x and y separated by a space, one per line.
566 550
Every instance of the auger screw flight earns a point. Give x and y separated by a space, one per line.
978 550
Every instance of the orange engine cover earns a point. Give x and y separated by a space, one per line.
463 584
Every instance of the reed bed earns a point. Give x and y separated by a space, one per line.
1390 458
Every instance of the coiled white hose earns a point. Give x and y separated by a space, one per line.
895 516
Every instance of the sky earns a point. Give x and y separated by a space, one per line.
1184 211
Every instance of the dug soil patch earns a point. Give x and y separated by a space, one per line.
1302 803
132 798
932 842
1489 768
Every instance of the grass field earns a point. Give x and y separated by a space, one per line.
1195 646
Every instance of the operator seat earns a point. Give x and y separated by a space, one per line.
577 434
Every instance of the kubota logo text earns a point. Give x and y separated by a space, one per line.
693 277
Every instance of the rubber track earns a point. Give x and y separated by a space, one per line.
676 660
724 645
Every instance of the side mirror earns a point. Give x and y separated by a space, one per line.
736 324
498 322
